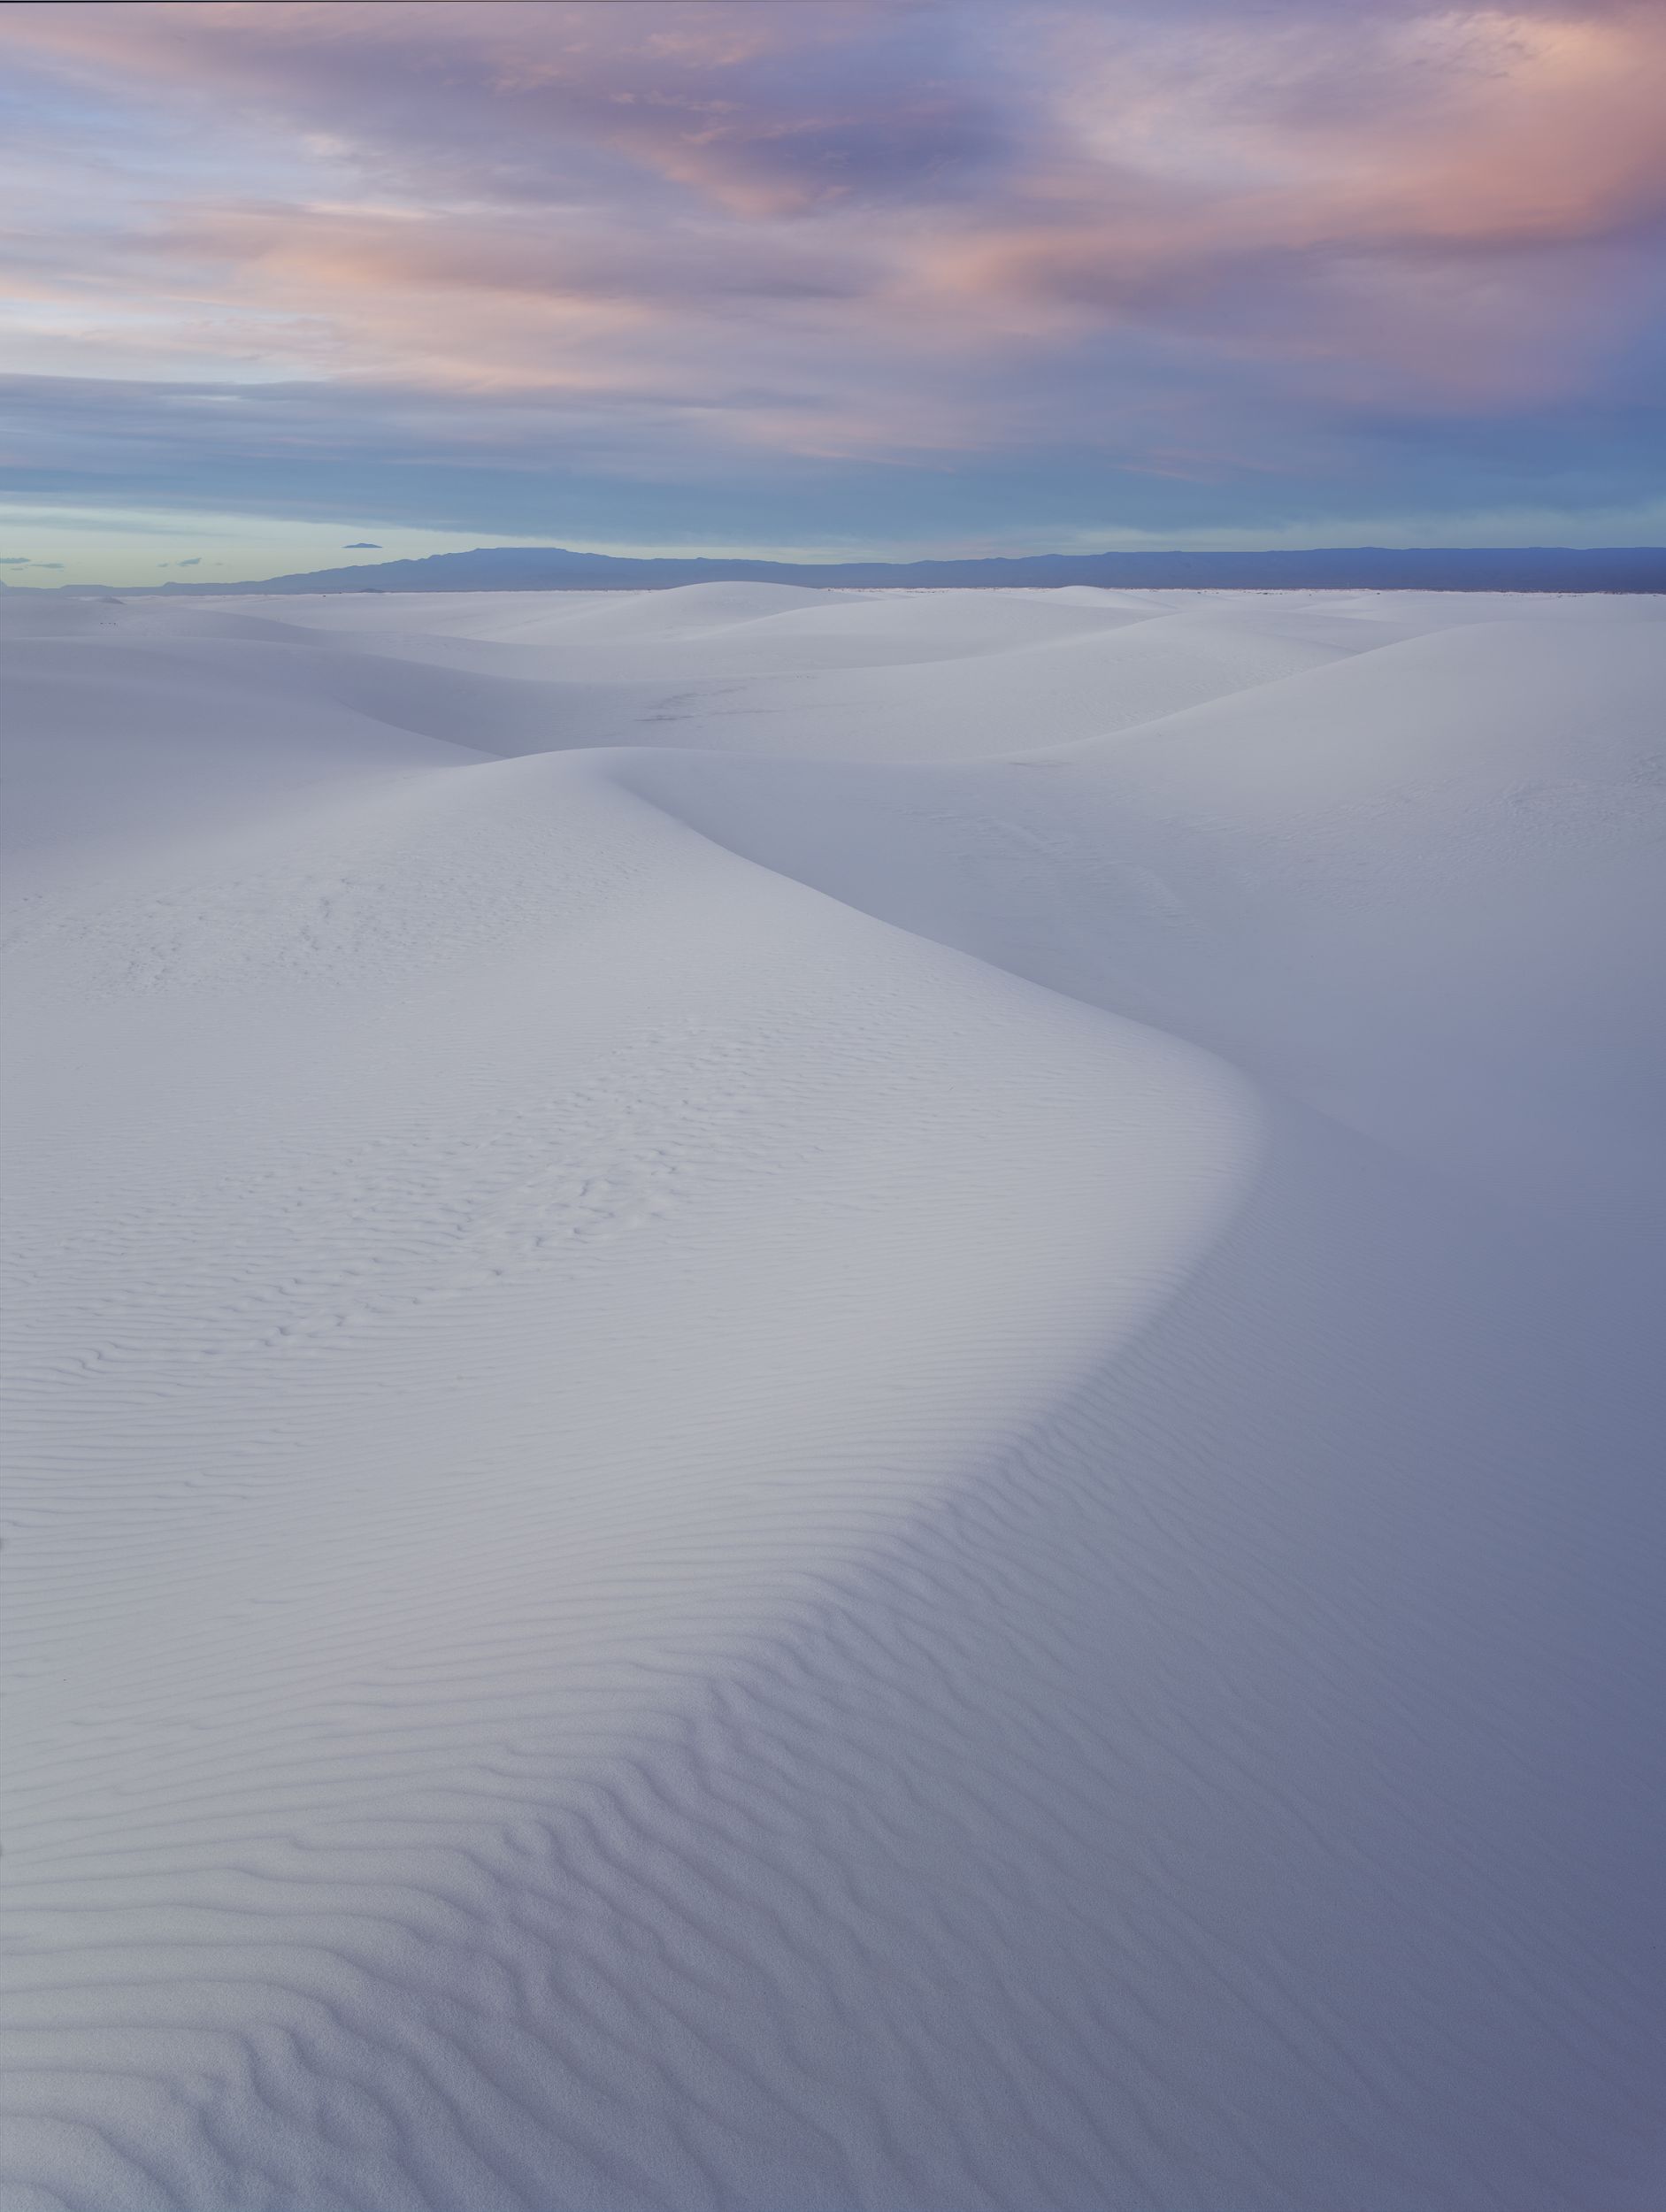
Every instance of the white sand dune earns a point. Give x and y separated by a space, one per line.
838 1402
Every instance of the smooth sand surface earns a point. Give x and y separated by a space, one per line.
835 1402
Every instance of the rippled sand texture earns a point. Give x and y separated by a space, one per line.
835 1402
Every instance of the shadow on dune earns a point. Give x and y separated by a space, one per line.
1245 1791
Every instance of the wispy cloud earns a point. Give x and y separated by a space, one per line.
759 260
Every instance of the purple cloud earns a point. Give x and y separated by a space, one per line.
709 243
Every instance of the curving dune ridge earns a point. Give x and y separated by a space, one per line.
835 1402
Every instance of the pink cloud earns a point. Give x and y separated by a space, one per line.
879 221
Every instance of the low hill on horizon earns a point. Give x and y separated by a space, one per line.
1362 568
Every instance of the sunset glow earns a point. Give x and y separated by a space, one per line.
832 275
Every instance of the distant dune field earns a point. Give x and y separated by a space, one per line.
835 1401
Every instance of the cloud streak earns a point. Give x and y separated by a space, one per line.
1288 261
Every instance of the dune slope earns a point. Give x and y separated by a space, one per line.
835 1401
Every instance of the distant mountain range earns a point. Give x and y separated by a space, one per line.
1374 568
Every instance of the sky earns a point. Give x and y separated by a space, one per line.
293 285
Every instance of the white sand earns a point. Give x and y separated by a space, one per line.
835 1402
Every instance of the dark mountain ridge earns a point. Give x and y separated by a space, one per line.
1375 568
